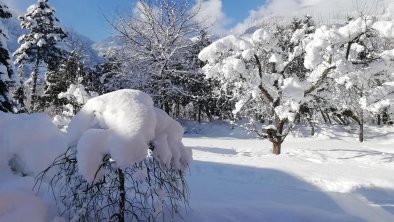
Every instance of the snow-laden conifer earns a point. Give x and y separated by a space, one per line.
40 46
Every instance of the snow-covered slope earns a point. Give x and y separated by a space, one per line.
322 11
108 44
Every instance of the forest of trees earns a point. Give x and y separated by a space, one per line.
302 72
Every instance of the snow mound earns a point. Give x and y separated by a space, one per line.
122 124
18 205
24 140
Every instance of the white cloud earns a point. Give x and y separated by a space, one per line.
211 15
323 11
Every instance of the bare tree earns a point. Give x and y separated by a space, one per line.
157 35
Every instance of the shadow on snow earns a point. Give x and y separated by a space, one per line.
223 192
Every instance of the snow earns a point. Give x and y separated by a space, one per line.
21 206
41 42
248 54
385 28
261 35
287 109
328 177
76 92
126 117
26 138
122 124
168 146
234 176
293 89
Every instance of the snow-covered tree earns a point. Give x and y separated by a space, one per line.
157 36
6 69
70 72
264 69
126 162
113 73
41 45
361 56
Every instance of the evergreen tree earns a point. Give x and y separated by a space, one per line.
6 70
72 73
58 81
40 45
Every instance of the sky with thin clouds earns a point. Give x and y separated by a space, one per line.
221 16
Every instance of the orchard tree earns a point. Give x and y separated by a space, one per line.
6 69
361 56
264 69
40 45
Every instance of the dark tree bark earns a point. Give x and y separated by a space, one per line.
199 112
361 123
361 133
276 148
122 195
276 137
33 97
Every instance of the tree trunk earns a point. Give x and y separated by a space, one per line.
199 113
275 136
311 125
33 96
379 120
324 116
312 128
276 147
177 110
122 196
167 108
361 133
328 117
385 116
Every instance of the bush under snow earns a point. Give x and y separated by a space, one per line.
123 124
120 146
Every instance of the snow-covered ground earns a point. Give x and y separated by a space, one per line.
234 177
328 177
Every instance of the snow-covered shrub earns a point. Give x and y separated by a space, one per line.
125 161
75 97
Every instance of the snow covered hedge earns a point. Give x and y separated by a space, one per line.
125 159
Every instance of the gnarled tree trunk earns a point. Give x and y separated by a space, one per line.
276 149
275 136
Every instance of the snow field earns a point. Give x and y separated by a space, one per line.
329 177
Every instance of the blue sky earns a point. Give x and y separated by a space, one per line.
224 16
87 16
